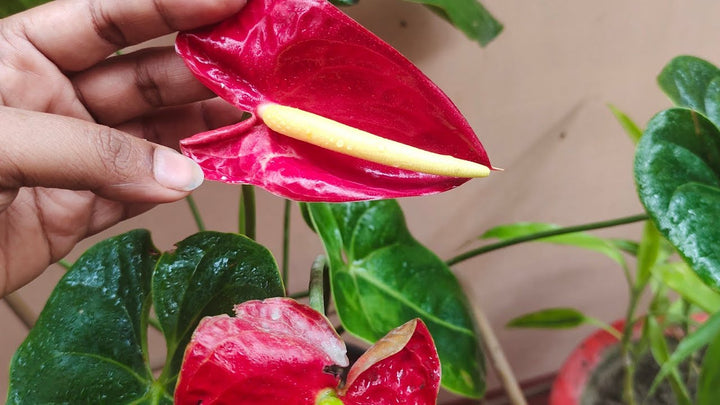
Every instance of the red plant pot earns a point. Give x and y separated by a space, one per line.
572 379
574 374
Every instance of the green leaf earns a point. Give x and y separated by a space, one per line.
305 212
8 7
630 127
577 239
686 80
677 169
382 277
693 342
680 278
89 344
661 352
469 16
344 2
551 318
709 381
207 274
648 255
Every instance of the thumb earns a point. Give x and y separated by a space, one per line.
45 150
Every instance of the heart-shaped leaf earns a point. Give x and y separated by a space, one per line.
207 274
381 277
686 80
308 55
677 172
89 344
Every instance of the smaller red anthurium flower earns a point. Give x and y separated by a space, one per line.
336 113
280 352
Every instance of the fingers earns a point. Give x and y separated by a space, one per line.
76 34
59 152
169 125
131 85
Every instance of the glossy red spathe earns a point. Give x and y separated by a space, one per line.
309 55
278 351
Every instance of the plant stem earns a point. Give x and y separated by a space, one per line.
246 221
604 326
286 244
317 284
21 309
195 213
65 264
545 234
626 347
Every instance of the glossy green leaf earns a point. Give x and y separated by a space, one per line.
343 2
680 278
8 7
382 277
577 239
686 80
709 382
469 16
551 318
661 352
677 172
89 344
630 127
693 342
207 274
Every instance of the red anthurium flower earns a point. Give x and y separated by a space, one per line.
342 84
278 351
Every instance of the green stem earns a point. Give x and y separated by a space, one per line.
317 284
626 347
65 264
246 221
544 234
286 243
195 213
604 326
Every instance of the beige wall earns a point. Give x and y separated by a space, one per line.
537 99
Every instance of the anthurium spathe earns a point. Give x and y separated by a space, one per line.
278 351
336 114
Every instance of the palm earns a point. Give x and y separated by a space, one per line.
42 224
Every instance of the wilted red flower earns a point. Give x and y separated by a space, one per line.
308 55
278 351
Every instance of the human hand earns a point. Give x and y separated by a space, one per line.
76 127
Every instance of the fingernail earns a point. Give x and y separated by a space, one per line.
175 171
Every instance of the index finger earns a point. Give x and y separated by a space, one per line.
76 34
